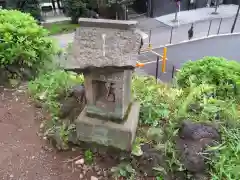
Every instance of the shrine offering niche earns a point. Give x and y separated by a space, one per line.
108 93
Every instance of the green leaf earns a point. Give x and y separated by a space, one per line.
123 173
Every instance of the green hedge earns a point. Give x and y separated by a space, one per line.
24 44
219 72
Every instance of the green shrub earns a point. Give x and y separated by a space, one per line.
163 105
24 44
156 99
75 9
219 72
226 163
49 87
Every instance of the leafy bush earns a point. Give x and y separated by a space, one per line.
226 164
221 73
161 104
24 44
155 99
49 87
79 8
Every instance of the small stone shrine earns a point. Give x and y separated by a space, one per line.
106 52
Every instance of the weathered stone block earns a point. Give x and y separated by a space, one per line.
102 43
109 133
107 102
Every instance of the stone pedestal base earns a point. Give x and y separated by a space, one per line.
109 133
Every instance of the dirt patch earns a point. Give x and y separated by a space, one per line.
24 155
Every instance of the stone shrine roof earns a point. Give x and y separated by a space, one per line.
100 43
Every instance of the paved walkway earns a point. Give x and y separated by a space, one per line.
162 35
161 27
57 18
64 39
200 14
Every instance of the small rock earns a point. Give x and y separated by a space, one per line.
80 176
78 91
11 176
42 125
73 149
200 177
94 178
96 168
98 173
196 131
39 134
80 161
67 107
33 157
38 104
45 138
105 173
85 167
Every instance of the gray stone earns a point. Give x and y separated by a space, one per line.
109 133
197 131
56 140
201 177
78 92
80 161
107 23
191 156
67 106
193 140
104 43
94 178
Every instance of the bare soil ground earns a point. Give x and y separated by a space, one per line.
23 154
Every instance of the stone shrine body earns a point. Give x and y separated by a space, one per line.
108 95
106 52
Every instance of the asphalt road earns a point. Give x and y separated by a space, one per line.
160 33
221 46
